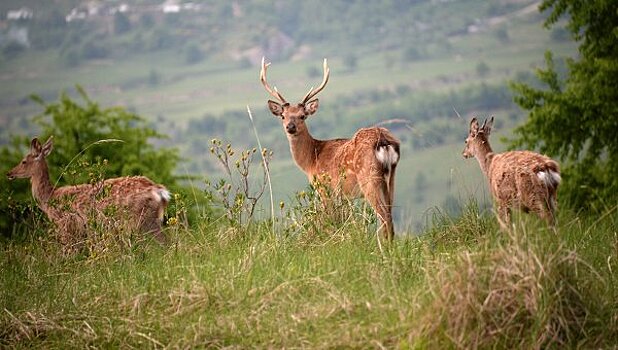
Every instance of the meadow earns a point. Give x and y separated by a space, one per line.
463 284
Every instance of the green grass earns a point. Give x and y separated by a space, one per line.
462 284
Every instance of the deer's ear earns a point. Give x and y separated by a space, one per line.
487 126
275 108
311 107
35 147
48 146
474 126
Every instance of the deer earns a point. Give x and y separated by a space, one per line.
138 201
363 165
522 180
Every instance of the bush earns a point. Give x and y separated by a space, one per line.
482 69
12 49
91 51
194 54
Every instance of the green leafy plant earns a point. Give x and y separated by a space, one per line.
237 194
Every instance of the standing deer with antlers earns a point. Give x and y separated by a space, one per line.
362 165
138 202
518 179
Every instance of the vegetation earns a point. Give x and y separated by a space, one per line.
464 284
575 118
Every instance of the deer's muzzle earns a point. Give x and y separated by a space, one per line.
291 128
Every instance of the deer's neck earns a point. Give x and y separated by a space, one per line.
484 156
42 188
304 150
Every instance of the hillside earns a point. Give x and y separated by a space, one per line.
192 72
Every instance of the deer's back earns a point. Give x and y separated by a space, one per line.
351 157
353 152
121 191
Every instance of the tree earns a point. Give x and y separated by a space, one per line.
482 69
12 49
194 54
502 34
350 61
154 78
87 139
121 23
576 118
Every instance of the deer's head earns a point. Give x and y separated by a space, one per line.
293 116
34 161
477 136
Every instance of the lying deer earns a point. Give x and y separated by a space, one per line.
519 179
135 200
363 165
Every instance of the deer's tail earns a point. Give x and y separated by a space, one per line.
549 174
387 153
162 196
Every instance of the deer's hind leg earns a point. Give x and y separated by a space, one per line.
375 191
148 212
545 209
391 187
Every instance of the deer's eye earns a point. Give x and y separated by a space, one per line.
303 117
23 162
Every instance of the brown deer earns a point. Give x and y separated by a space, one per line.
518 179
138 202
362 165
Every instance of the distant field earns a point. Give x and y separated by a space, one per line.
190 91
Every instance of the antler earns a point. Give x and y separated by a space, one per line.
273 92
311 94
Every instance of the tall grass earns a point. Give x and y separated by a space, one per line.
463 284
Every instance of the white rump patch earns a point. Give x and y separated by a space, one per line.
550 178
162 195
387 155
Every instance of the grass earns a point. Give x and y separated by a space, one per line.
463 284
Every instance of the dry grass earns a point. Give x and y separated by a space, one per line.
522 293
464 285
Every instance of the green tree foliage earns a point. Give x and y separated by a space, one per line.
482 69
121 23
87 139
576 118
194 54
350 61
